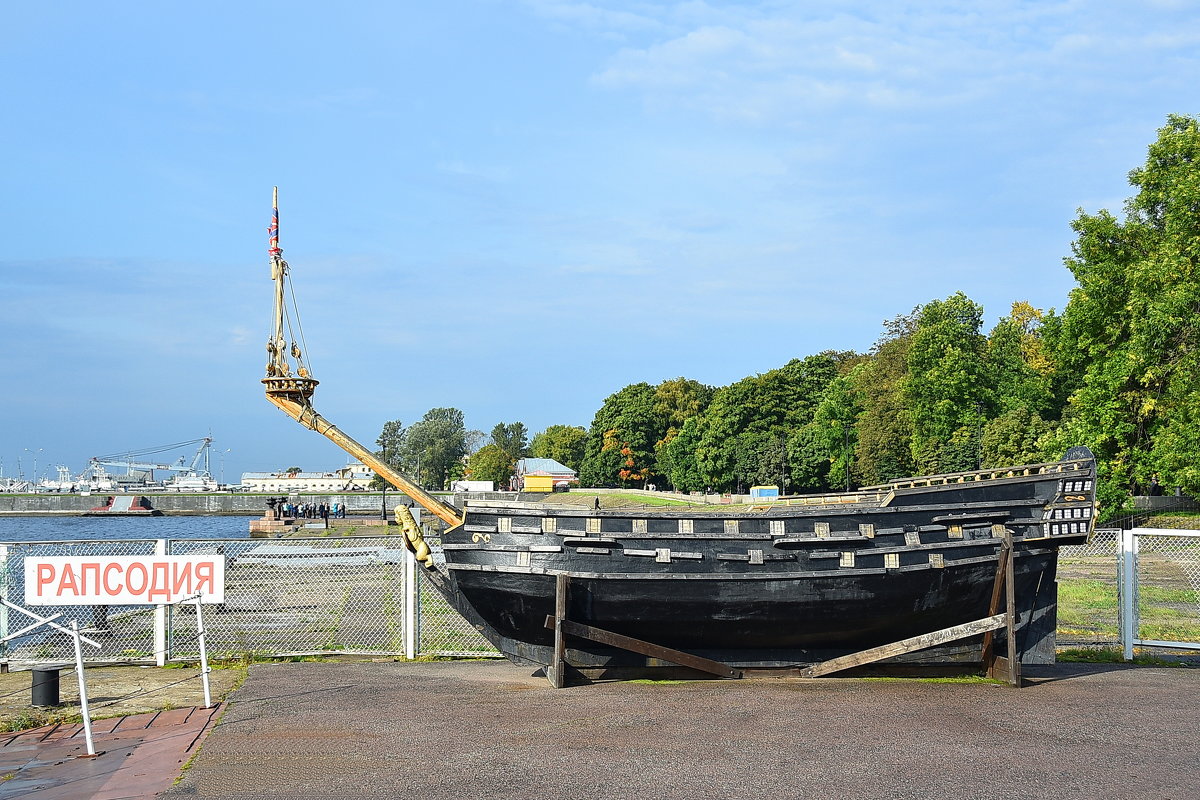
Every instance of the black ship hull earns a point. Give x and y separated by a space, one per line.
775 586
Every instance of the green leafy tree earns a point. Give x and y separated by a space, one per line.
512 438
435 447
1017 436
1131 329
835 428
1019 363
563 443
678 400
620 445
946 388
676 455
391 450
491 463
885 425
748 422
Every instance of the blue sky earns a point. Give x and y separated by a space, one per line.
517 208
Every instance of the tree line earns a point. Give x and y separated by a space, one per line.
1117 370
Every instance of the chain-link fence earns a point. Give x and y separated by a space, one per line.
1088 607
282 597
1160 589
360 596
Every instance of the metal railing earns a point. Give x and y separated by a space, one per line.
1159 582
283 597
367 596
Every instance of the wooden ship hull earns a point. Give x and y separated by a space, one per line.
777 586
914 569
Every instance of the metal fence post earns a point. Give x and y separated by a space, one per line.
204 668
83 698
4 608
160 616
1127 590
412 600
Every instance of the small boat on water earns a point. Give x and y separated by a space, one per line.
910 570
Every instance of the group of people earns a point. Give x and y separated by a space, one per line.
311 510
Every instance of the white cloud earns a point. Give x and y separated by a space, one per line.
766 64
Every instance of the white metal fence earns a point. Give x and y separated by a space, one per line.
366 596
346 596
1159 589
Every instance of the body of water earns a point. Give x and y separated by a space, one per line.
56 529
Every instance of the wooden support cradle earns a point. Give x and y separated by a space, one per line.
1006 667
562 627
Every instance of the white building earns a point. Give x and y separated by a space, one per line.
354 477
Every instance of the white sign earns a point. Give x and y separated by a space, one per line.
123 580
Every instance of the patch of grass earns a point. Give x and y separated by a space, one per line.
24 721
967 679
1113 655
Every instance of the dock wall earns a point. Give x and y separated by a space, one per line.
233 503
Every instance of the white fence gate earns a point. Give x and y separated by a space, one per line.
1158 574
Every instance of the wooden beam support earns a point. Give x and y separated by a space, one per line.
1006 668
994 606
557 669
645 648
922 642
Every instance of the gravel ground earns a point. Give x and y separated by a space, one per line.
472 729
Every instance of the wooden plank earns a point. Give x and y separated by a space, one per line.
1002 563
557 669
1014 660
646 648
922 642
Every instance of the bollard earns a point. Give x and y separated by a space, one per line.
45 685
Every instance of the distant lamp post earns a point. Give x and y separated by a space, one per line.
35 464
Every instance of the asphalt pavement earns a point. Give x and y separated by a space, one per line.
495 730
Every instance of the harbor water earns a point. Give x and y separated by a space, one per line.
55 528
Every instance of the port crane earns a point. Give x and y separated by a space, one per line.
133 460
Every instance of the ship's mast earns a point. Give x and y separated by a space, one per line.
278 364
292 394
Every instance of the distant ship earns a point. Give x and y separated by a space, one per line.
769 586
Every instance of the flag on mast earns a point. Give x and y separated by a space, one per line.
273 231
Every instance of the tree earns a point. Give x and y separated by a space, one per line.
620 443
834 427
563 443
292 471
391 450
678 400
512 438
1019 364
1131 328
946 389
491 463
1017 436
742 433
435 446
885 424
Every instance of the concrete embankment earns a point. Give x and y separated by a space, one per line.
231 503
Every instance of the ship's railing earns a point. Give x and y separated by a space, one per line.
1024 470
874 498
